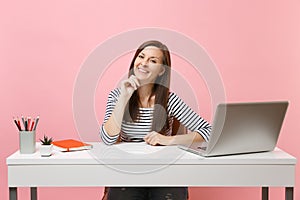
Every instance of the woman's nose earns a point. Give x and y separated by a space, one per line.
144 62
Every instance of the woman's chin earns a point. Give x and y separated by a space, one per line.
142 78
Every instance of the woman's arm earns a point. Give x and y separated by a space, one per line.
113 125
155 138
115 108
199 127
113 98
187 117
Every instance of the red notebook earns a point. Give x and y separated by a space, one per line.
71 145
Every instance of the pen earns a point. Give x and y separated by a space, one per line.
28 123
23 120
36 122
32 125
19 123
19 128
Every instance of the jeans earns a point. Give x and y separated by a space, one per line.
147 193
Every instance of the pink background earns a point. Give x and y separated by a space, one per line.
255 45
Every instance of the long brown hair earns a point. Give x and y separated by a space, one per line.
160 90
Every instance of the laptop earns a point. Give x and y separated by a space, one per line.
242 128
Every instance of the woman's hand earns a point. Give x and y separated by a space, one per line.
129 85
155 138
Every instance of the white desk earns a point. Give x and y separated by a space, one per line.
121 165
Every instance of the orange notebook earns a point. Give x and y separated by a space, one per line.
71 145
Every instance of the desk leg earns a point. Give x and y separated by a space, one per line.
265 193
33 193
289 193
13 193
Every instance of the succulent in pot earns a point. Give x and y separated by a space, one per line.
46 146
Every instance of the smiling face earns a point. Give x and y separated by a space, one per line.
148 65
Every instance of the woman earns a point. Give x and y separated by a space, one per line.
143 109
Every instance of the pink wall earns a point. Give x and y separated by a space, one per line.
255 45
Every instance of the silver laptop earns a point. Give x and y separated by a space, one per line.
242 128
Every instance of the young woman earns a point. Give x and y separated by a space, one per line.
143 109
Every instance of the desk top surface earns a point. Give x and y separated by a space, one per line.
141 153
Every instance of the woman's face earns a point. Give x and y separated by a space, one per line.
149 64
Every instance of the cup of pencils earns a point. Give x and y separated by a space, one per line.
27 127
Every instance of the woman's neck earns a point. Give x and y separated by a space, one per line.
145 98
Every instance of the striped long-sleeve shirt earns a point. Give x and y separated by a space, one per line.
135 131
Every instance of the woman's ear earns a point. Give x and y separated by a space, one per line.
162 71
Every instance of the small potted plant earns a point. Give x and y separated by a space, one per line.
46 146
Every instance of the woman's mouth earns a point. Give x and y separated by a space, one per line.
142 70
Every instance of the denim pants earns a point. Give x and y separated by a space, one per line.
148 193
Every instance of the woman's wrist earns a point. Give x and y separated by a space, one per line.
124 97
171 140
185 138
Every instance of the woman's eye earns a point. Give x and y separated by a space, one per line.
141 56
153 61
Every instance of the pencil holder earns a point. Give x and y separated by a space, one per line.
27 142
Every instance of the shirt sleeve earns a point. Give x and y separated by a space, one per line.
110 105
187 117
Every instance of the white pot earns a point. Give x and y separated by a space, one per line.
46 150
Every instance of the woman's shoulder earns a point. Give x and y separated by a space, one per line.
173 98
173 95
115 93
